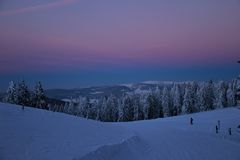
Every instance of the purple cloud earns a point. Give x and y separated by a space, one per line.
37 7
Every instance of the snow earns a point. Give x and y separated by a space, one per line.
175 138
38 134
164 82
66 100
75 100
97 92
140 91
129 85
157 82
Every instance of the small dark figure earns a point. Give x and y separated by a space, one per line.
218 124
22 107
230 131
216 129
191 121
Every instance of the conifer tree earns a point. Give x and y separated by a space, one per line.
11 95
39 98
165 102
176 96
23 94
230 96
128 110
220 97
111 112
152 107
209 95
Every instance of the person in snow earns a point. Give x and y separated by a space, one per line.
191 121
216 129
22 107
229 131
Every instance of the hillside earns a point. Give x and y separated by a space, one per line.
38 134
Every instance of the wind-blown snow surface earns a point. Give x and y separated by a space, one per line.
38 134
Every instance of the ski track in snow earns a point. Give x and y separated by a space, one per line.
38 134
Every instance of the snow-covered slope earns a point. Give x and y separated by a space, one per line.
174 138
38 134
33 134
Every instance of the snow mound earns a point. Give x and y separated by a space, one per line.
132 148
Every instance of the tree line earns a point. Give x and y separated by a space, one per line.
165 101
20 94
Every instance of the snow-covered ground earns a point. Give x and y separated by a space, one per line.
33 134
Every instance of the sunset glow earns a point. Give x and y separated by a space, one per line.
129 40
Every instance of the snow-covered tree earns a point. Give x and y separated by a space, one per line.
153 111
80 106
11 95
231 101
200 100
23 94
188 103
158 95
145 106
238 90
220 95
87 107
72 108
169 101
136 107
176 97
53 107
66 108
194 88
209 95
128 109
92 109
39 98
165 102
103 109
201 103
120 110
235 86
112 109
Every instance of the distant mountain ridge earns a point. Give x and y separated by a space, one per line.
99 91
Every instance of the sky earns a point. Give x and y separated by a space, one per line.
79 43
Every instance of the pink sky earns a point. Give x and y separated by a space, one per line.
81 34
